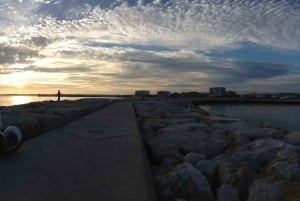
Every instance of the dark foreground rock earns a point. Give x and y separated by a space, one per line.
38 117
199 156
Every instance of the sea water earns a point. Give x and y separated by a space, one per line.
284 116
18 100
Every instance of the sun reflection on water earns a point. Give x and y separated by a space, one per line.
18 100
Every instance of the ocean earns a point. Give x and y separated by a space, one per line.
284 116
18 100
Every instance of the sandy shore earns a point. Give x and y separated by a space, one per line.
38 117
199 156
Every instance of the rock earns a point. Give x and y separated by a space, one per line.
235 169
272 132
193 158
267 144
209 169
156 124
239 139
184 127
228 193
263 190
179 142
293 138
192 184
221 119
288 153
287 169
170 162
248 129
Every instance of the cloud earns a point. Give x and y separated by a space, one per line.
157 43
204 25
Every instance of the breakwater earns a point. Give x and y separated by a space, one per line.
197 155
36 118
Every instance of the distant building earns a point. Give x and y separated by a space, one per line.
142 93
217 91
163 94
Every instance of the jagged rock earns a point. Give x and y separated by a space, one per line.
209 169
288 153
179 142
272 132
248 129
194 158
156 124
237 154
263 190
185 127
192 184
228 193
236 169
293 138
239 138
287 169
170 162
221 119
267 144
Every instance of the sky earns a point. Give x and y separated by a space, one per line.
119 46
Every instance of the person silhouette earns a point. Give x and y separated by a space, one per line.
58 95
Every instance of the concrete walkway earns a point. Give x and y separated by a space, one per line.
99 157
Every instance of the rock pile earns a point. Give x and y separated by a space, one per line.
198 156
38 117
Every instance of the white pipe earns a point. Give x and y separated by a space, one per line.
13 130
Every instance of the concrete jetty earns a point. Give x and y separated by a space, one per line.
97 157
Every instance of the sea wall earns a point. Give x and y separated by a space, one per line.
200 156
38 117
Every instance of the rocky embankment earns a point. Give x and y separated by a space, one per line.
38 117
198 156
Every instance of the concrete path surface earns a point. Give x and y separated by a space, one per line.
99 157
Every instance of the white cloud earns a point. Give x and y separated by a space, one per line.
127 42
204 25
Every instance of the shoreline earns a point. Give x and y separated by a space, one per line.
197 155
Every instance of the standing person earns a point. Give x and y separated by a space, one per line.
58 95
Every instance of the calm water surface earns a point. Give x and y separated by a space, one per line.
17 100
284 116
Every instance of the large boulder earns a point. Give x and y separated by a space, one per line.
293 138
287 169
177 141
192 184
209 169
264 190
249 130
228 193
194 158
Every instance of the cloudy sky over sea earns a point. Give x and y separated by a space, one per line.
118 46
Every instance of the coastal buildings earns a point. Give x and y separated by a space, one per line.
163 94
217 91
142 93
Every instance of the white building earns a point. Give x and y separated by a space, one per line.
217 91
